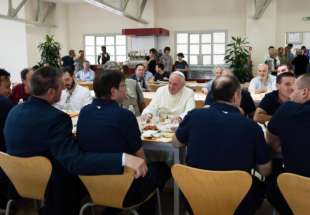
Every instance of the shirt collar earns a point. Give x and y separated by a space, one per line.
225 107
307 102
105 102
38 100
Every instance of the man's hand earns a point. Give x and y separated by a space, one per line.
146 117
137 164
176 120
261 90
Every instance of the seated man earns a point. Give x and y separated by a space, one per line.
281 69
272 101
5 106
288 133
86 74
263 82
160 74
74 96
139 76
227 140
175 99
5 103
36 128
247 104
135 99
217 73
20 92
115 130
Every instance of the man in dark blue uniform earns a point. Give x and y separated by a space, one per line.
267 107
5 103
5 107
272 101
288 132
104 126
219 137
247 104
37 128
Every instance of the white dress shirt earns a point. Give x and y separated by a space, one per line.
85 75
256 84
74 100
175 105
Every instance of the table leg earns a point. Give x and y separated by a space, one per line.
176 191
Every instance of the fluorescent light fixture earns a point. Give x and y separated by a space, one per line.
104 6
114 10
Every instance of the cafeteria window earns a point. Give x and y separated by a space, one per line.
202 48
115 44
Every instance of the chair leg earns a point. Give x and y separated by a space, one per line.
134 212
89 204
274 212
93 212
37 204
8 206
158 202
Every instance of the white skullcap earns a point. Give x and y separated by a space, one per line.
179 74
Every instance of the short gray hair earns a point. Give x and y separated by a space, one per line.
44 79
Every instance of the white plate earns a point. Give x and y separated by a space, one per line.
149 133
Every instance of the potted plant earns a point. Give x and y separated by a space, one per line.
237 55
49 50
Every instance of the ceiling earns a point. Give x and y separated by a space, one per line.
66 1
132 9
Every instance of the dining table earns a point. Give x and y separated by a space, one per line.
160 140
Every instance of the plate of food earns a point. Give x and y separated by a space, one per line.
150 127
167 134
148 134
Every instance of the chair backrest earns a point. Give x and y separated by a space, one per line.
29 175
212 192
109 190
296 191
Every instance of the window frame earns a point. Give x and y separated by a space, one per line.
200 55
114 45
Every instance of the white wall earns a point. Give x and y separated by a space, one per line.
201 15
88 19
289 18
75 20
261 32
36 34
13 55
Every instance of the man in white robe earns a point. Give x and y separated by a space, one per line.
174 99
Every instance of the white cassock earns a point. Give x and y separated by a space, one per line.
175 105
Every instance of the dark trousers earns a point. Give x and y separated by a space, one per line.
273 193
141 188
250 202
63 194
7 190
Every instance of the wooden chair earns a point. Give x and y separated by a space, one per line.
296 191
29 175
212 192
110 191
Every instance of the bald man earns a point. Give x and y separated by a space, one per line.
175 99
211 132
263 82
288 132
